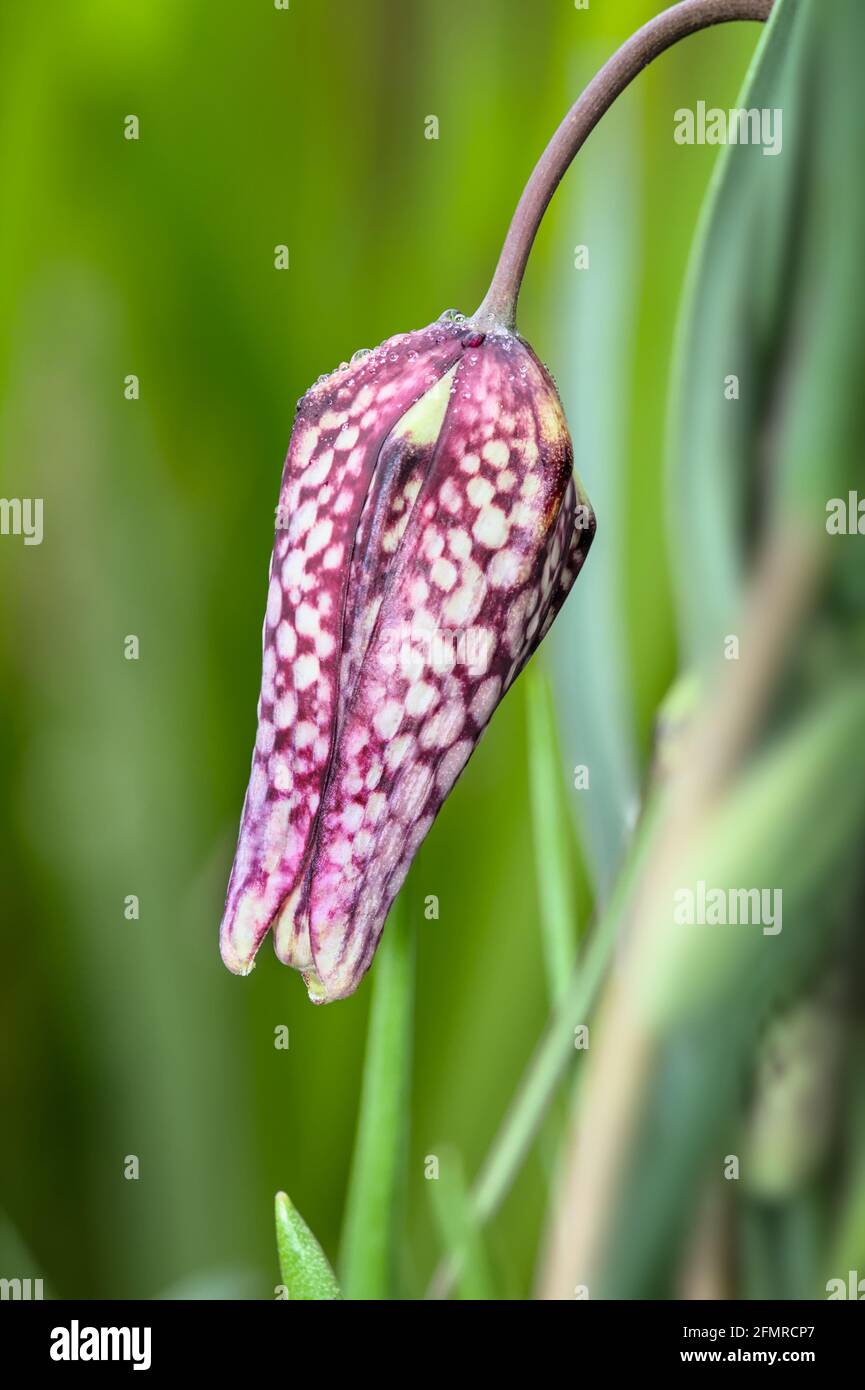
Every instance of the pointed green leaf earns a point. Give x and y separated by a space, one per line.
304 1267
733 339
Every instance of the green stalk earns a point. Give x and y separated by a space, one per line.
551 835
369 1230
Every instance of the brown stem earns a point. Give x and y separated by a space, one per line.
500 305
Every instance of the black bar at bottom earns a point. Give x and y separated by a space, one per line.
66 1338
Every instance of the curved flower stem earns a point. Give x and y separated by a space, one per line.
499 307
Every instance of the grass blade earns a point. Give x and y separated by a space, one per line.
551 836
460 1232
368 1242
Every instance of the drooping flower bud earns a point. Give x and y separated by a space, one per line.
428 530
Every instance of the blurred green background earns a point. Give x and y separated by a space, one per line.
156 257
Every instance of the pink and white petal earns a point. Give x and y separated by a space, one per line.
468 591
334 448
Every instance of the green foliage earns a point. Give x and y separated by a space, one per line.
373 1210
303 1265
551 840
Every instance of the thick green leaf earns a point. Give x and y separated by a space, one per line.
822 423
708 990
735 322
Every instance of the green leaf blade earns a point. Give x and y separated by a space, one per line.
304 1267
368 1255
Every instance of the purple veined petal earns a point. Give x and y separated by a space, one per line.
404 461
430 528
335 444
487 555
575 531
402 466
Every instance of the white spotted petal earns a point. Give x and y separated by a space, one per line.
430 528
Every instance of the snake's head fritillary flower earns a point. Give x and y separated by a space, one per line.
428 530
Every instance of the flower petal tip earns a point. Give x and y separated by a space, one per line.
233 961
